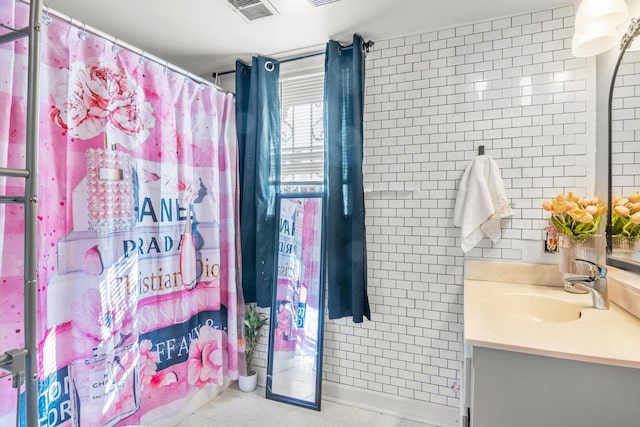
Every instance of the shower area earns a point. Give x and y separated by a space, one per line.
120 289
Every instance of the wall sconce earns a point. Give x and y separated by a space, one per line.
596 26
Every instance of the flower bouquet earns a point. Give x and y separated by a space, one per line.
625 216
625 222
577 222
575 216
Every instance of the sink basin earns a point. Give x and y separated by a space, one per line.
537 308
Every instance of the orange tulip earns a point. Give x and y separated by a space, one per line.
558 208
622 210
635 197
592 210
635 207
573 197
571 205
581 215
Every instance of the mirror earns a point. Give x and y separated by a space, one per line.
294 368
623 235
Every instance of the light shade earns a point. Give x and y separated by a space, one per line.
594 37
595 26
608 12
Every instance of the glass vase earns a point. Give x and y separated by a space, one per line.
569 249
625 247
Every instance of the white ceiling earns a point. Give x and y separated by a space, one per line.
203 36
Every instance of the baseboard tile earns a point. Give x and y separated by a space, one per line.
424 412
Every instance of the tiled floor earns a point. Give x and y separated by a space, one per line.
235 408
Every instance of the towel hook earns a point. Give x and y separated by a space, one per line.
481 150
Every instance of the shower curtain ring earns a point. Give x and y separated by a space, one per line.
83 35
46 18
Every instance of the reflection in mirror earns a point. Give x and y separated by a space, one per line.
295 340
624 145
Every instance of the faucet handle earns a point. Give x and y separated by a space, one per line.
597 270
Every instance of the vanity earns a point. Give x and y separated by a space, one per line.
538 356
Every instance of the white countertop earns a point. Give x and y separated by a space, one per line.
609 337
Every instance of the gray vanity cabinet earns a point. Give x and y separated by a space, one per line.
510 389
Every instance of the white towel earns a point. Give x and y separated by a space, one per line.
481 203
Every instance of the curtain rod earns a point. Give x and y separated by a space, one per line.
81 25
366 45
296 58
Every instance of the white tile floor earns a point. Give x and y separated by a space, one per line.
234 408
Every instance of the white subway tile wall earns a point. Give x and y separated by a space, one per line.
626 127
432 99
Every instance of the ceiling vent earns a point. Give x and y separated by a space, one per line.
317 3
252 10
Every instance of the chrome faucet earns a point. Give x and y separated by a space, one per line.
595 283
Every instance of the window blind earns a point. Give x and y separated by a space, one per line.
302 139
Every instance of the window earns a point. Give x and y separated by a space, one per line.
302 134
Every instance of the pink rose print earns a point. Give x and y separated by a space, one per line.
74 108
99 317
205 358
125 113
96 96
147 361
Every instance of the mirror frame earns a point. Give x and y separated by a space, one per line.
632 32
321 308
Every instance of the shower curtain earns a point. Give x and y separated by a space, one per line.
12 97
140 310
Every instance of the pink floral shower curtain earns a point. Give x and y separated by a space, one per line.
13 69
139 307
